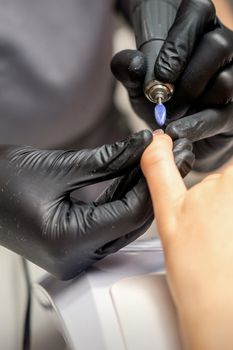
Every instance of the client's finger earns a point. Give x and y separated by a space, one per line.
164 180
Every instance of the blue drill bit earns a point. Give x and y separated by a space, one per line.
160 113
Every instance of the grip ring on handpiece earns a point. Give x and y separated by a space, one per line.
157 91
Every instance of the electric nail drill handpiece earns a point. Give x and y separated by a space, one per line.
152 20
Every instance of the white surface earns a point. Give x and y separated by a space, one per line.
146 313
122 303
12 301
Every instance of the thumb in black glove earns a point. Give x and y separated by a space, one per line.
41 221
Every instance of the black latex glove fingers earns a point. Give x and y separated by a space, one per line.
136 211
204 124
197 56
77 169
213 129
194 18
88 232
118 190
208 77
185 59
129 67
184 156
59 233
120 186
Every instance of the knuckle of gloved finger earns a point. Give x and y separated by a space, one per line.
182 144
221 41
170 62
189 127
129 66
184 161
174 131
224 83
121 154
143 213
139 205
147 136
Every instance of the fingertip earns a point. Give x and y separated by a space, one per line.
173 131
137 66
185 162
159 149
130 149
129 66
141 139
163 178
147 136
160 142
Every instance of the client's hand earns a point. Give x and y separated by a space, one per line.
196 229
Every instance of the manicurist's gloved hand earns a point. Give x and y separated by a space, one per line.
197 59
196 230
42 222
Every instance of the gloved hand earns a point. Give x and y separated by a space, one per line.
197 58
40 221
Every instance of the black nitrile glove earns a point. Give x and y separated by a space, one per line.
197 58
40 221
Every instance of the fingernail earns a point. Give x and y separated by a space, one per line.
158 132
